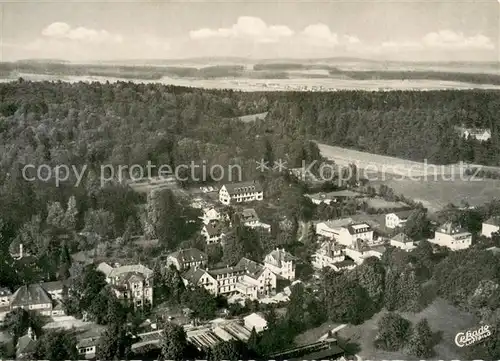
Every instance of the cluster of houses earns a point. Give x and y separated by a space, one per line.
245 280
346 244
214 219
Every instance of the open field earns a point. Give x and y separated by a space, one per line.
436 194
384 164
380 203
418 181
290 84
441 316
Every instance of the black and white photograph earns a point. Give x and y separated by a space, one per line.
250 180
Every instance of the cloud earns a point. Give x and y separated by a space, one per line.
320 34
246 27
448 39
443 40
63 31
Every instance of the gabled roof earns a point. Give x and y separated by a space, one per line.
189 255
193 275
357 227
213 229
402 238
105 268
338 223
25 345
52 286
451 228
249 215
493 221
30 295
403 214
134 268
252 268
243 187
278 256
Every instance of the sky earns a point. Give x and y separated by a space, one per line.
425 30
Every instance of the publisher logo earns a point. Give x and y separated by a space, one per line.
472 336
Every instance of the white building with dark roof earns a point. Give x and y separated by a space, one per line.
26 345
452 236
247 279
327 255
255 320
133 283
397 219
331 229
32 297
282 263
402 241
187 258
349 234
213 233
240 192
210 215
491 225
250 219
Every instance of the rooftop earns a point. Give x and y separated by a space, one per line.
451 228
189 255
403 214
243 187
249 215
134 268
278 256
493 221
30 295
213 229
52 286
402 238
193 275
337 223
358 228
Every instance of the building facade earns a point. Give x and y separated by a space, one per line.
402 241
328 254
282 263
187 258
247 279
133 283
397 219
349 234
490 226
240 193
452 236
212 232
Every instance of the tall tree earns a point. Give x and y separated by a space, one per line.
173 342
420 343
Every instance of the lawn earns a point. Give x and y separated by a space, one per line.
441 316
434 191
380 203
435 195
